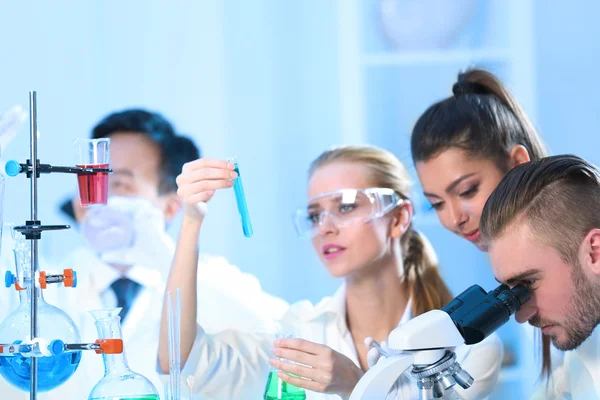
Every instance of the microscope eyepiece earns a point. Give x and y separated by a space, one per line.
514 298
478 314
495 292
522 293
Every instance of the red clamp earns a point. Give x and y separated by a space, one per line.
110 346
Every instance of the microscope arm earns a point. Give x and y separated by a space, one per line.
426 342
423 340
377 382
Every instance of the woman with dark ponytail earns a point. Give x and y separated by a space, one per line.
358 215
462 147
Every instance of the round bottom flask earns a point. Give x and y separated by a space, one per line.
53 323
119 382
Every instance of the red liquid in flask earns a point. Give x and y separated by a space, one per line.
93 187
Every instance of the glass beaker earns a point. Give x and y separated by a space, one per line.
119 382
277 389
53 323
93 186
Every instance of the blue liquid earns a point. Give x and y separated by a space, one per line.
52 371
240 199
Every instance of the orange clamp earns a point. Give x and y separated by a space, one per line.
69 278
18 287
110 346
43 283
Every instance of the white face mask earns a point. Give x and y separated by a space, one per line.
128 231
109 228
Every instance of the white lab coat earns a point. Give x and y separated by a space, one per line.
234 365
227 299
578 378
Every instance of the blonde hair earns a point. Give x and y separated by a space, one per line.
420 262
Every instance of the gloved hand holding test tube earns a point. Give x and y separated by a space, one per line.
240 199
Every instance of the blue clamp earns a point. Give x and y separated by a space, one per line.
12 168
9 279
74 279
56 347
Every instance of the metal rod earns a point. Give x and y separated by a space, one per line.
47 168
33 151
34 243
81 346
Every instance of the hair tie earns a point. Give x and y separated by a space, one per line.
462 88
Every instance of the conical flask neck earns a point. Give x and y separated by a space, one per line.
108 324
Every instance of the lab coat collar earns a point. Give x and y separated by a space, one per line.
333 305
590 348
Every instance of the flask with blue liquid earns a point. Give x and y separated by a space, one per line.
53 323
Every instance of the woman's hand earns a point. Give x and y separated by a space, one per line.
198 181
323 369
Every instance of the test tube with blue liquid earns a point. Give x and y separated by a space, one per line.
240 199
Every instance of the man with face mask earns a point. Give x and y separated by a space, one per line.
128 253
542 225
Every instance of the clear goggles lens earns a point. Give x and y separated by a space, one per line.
345 207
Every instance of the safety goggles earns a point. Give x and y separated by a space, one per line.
345 207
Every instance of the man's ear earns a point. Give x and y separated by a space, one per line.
402 219
590 252
171 205
518 155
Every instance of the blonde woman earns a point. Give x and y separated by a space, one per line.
359 216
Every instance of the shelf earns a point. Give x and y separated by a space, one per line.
435 57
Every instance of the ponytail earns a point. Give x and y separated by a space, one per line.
492 85
482 118
429 292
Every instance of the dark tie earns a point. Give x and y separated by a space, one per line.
126 291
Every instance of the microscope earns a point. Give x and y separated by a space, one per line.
424 345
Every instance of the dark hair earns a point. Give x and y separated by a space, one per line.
536 192
175 150
481 117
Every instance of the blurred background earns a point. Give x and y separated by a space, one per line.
277 82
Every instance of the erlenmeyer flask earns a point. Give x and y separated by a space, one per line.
53 323
119 382
280 390
277 389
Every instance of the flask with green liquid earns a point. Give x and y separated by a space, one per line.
280 390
